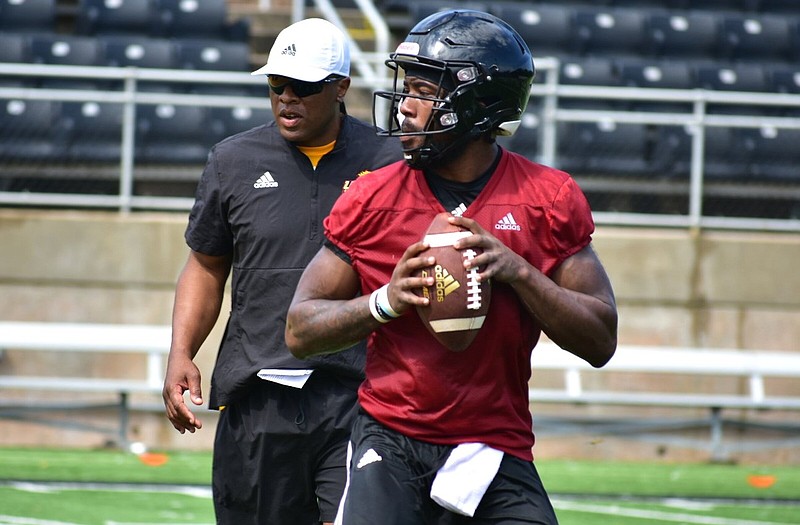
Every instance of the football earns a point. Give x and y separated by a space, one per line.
458 302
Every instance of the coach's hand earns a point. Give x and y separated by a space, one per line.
182 375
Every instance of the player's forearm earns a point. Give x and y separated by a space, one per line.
319 326
191 326
198 302
578 322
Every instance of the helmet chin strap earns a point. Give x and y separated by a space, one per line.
430 154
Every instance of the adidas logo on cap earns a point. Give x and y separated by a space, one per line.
507 223
289 50
265 181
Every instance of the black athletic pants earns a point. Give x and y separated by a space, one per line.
280 453
390 477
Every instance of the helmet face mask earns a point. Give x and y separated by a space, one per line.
482 71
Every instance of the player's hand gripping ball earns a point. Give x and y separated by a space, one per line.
458 302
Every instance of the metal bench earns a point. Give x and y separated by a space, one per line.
152 342
752 367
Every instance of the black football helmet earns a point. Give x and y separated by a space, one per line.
484 71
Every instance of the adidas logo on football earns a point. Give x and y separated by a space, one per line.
445 283
290 50
507 223
265 181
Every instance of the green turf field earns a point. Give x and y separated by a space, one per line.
62 487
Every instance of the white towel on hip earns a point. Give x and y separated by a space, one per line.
462 481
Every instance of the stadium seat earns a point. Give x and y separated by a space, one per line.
198 19
744 77
731 77
715 5
589 72
52 48
725 155
661 74
658 74
94 131
138 51
123 51
779 6
603 148
213 55
28 130
794 36
544 27
224 122
419 9
172 134
783 78
724 158
345 4
682 34
27 15
600 31
67 50
14 48
672 152
747 36
773 153
114 17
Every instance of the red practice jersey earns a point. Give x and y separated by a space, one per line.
416 386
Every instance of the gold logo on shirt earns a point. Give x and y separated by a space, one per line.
346 185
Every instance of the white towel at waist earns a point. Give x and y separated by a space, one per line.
462 481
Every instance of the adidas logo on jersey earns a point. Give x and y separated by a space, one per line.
507 223
459 210
265 181
290 50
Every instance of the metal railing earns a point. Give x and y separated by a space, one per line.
696 120
548 89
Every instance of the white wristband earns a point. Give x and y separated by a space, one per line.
382 302
379 305
373 309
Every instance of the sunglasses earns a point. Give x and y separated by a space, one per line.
300 88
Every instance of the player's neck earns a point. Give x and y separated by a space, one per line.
471 164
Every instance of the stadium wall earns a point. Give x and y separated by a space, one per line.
674 287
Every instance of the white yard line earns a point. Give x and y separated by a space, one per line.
19 520
616 510
186 490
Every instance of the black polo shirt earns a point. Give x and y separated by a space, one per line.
260 200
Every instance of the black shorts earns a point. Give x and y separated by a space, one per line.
280 453
390 479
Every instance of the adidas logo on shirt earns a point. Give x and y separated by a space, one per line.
507 223
265 181
290 50
459 210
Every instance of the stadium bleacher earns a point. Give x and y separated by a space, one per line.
727 46
163 34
